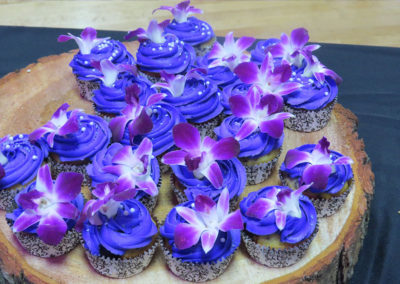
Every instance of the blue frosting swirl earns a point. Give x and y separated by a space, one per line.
258 53
93 135
23 160
225 245
172 56
295 230
234 178
219 75
131 228
233 89
253 146
337 179
193 31
108 49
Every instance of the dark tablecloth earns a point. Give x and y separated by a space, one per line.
371 89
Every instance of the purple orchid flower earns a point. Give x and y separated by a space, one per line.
134 115
109 197
205 221
133 168
319 163
86 42
268 78
111 71
155 32
48 204
293 49
176 84
200 156
181 11
59 124
319 71
284 201
2 172
258 113
232 53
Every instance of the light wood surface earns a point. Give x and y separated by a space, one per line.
330 258
350 22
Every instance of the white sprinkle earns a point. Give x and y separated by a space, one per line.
121 206
153 49
208 82
326 93
81 117
110 58
83 129
7 146
223 240
196 27
208 33
170 49
177 41
11 138
126 213
290 79
91 123
182 42
202 33
145 43
86 62
160 47
311 80
192 205
293 73
34 157
200 92
21 136
132 210
262 47
28 71
202 28
298 79
87 230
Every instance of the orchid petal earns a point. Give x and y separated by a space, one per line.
51 229
208 239
117 126
136 32
333 75
267 64
192 163
186 137
299 37
322 148
186 236
44 181
343 161
155 98
68 186
25 220
124 156
189 215
208 143
233 221
229 40
223 203
71 126
145 148
240 106
141 125
295 157
225 149
317 174
214 175
287 88
261 208
245 42
247 128
148 186
280 218
301 189
36 134
174 158
67 210
116 170
27 200
274 125
204 204
274 103
50 139
247 72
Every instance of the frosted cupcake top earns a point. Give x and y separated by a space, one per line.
20 160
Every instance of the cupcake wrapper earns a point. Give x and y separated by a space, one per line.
35 246
275 257
204 48
207 128
122 267
164 168
57 168
149 77
7 198
149 202
195 272
86 88
106 116
308 120
260 172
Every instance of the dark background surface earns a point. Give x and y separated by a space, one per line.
371 89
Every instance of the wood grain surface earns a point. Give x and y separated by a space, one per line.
350 22
27 100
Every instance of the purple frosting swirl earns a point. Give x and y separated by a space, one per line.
220 75
193 32
172 56
312 96
253 146
295 230
23 160
131 228
234 178
93 135
233 89
199 102
78 202
225 244
337 179
258 53
108 49
112 99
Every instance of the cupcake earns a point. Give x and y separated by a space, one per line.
258 126
313 102
118 233
73 138
91 49
159 51
204 166
280 224
233 89
190 30
200 238
20 161
47 212
135 168
329 171
195 97
259 51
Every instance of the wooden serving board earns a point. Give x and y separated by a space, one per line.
30 96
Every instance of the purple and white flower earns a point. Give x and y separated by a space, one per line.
232 53
2 172
284 202
133 168
155 32
293 49
271 79
134 116
111 71
175 84
86 42
319 163
49 204
59 124
319 71
181 11
205 221
258 113
201 155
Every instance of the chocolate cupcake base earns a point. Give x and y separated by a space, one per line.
207 128
86 88
7 198
35 246
276 257
195 272
164 168
259 172
122 267
149 202
204 48
308 120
